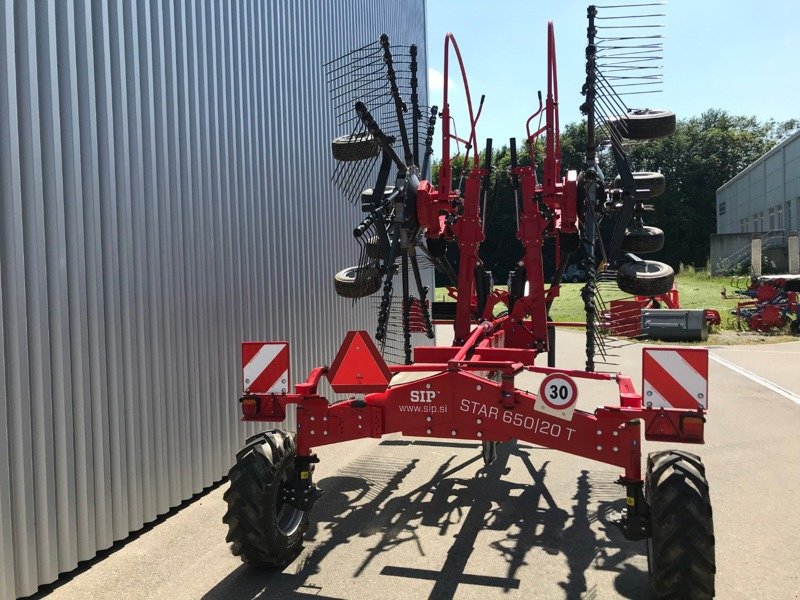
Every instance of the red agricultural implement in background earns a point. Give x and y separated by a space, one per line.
772 305
467 391
623 316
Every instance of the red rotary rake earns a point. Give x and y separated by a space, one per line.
467 391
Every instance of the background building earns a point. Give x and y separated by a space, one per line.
762 201
165 194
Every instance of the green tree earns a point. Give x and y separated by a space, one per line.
502 250
703 154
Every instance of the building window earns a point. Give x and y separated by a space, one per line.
771 219
779 217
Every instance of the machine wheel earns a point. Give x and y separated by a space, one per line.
794 326
575 279
645 278
681 551
357 282
262 529
643 240
357 146
645 124
654 182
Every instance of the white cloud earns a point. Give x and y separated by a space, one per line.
436 80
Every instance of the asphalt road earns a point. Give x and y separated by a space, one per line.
424 519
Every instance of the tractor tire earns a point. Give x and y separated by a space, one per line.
681 550
654 182
643 240
644 124
262 530
357 146
357 282
645 278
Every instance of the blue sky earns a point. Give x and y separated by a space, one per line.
738 55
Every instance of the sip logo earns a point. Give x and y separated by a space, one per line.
423 395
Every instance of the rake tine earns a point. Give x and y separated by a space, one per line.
400 107
343 56
353 67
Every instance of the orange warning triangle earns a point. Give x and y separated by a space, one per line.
358 366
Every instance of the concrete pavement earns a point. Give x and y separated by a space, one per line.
423 519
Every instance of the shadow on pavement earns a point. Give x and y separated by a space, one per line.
362 501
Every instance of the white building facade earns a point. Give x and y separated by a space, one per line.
762 201
164 194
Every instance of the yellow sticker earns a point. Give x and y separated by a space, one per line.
304 474
630 501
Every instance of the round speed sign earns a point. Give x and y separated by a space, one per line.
558 391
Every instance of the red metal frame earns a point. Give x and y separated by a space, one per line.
454 399
467 391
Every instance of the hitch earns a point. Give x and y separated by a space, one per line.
634 520
300 491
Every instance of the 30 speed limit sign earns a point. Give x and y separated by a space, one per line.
557 396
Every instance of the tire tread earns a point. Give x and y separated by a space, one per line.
683 530
249 497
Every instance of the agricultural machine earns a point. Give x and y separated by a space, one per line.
625 317
770 305
467 391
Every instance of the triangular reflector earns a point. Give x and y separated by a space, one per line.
358 366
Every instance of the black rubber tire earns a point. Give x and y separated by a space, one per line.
262 530
575 279
681 550
645 278
357 146
357 282
643 240
645 124
654 182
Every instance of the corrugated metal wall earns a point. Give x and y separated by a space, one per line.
164 176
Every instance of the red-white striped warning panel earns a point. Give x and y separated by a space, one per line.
675 377
265 367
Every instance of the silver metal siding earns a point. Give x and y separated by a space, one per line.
165 194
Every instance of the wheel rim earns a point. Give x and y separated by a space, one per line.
287 517
647 267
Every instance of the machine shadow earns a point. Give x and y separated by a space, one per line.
362 501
